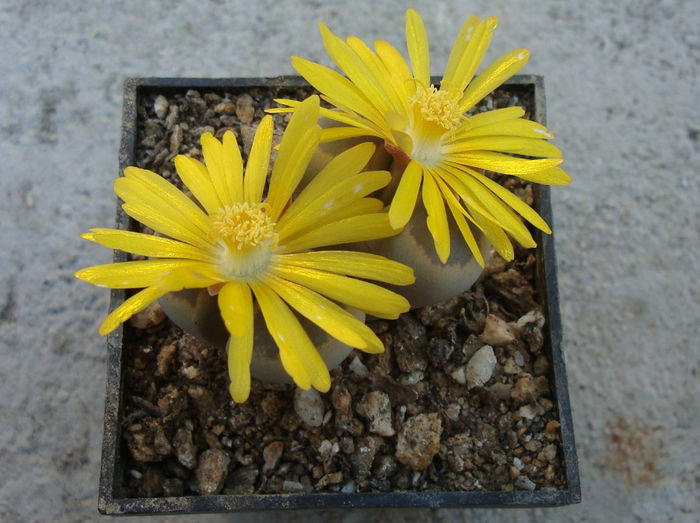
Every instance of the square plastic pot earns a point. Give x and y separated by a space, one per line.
113 471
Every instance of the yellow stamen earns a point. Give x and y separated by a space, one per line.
438 106
246 235
242 225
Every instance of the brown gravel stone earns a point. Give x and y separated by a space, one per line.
548 453
185 450
225 108
146 441
273 406
244 108
166 360
342 403
272 454
496 332
152 482
419 440
212 471
524 390
148 318
329 479
363 455
173 487
410 343
241 481
552 426
376 407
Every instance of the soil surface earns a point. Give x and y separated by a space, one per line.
460 400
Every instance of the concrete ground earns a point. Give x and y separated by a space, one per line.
622 91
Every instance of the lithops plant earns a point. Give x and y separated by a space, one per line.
439 148
250 244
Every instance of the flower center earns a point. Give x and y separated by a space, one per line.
246 233
440 106
242 225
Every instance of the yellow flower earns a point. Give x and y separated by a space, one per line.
259 248
427 129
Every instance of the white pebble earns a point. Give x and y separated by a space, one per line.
357 367
480 367
458 376
452 411
160 106
308 405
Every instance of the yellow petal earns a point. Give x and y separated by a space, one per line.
363 206
338 88
355 229
236 307
258 161
332 134
394 63
513 201
505 164
538 148
437 219
495 235
291 172
484 143
233 166
345 192
299 357
157 192
404 200
502 214
239 355
360 294
453 176
347 163
505 144
470 47
214 160
196 277
298 144
458 55
550 176
136 274
195 176
145 244
459 213
347 118
136 303
515 127
360 73
140 193
402 140
495 116
417 43
333 319
392 90
493 76
168 225
350 263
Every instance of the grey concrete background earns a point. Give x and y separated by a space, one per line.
622 87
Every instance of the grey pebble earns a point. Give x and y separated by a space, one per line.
308 405
480 367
